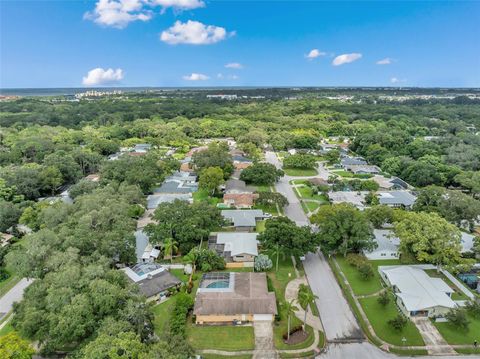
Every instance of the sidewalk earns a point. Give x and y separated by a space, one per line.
13 295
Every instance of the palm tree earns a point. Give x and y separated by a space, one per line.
306 298
169 247
192 258
290 309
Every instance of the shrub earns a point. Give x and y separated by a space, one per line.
355 259
178 316
458 318
263 263
473 308
366 271
398 323
384 298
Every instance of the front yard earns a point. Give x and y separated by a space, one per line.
230 338
454 335
300 172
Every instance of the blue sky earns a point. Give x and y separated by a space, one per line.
120 42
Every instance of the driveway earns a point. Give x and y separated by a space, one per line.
264 347
434 341
13 295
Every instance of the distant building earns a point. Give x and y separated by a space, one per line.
352 161
153 280
179 182
355 198
226 298
362 169
154 200
393 183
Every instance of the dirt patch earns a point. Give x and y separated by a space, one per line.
297 337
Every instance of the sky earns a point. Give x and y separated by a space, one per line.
164 43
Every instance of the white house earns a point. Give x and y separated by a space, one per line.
387 245
238 248
418 294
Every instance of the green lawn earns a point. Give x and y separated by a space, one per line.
230 338
379 316
262 188
454 335
312 206
260 226
343 173
299 172
202 195
162 315
360 286
179 274
6 329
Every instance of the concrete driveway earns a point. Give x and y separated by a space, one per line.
434 341
264 346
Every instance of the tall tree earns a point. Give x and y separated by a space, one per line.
343 228
306 298
211 178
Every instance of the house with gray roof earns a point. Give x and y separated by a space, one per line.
387 245
396 199
154 200
239 249
362 169
153 280
351 161
417 294
226 298
179 182
243 219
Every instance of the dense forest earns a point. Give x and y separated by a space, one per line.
79 302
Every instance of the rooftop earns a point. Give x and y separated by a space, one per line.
237 243
243 217
417 289
397 197
154 200
234 293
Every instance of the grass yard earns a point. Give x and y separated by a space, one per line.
179 274
202 195
312 206
360 286
162 315
229 338
6 329
298 182
260 226
299 172
453 335
262 188
343 173
379 316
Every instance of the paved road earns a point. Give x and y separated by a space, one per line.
337 318
13 295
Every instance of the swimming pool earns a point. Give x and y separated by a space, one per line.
219 284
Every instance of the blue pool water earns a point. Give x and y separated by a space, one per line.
219 284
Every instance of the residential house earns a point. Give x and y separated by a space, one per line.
238 195
145 252
387 245
178 182
417 294
243 220
153 280
397 199
154 200
142 148
239 249
351 161
226 298
355 198
362 169
393 183
5 239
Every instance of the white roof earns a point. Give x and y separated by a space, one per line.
349 197
417 289
386 240
467 241
243 217
238 243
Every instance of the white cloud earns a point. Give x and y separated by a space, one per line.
396 80
179 4
195 77
346 58
385 61
101 76
194 33
234 65
118 13
314 53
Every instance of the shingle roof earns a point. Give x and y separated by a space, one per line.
154 200
243 218
397 197
417 289
151 278
250 296
348 161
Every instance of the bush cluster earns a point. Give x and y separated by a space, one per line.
360 262
178 316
